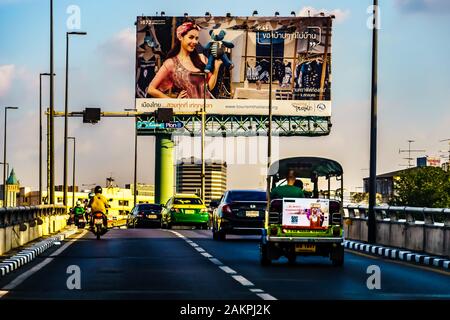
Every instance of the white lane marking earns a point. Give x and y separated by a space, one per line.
266 296
41 265
216 261
228 270
243 281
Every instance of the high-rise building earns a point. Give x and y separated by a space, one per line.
189 179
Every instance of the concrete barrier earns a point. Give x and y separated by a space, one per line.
409 228
20 225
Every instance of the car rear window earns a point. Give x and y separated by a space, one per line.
149 207
187 201
247 196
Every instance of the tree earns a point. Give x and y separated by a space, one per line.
422 187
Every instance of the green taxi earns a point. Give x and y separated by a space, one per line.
184 209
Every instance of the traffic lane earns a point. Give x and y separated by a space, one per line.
316 278
132 264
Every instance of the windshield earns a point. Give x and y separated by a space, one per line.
247 196
187 201
149 207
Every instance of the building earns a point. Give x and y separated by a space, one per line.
142 189
429 161
445 166
121 199
12 189
189 180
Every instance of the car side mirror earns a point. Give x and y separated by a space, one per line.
214 204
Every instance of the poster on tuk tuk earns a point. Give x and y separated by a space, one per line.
305 213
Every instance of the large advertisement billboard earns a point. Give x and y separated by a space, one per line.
176 56
306 213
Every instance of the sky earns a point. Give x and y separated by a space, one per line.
413 87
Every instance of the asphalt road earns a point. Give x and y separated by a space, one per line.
188 265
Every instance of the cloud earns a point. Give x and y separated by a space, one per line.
423 6
6 78
340 14
119 50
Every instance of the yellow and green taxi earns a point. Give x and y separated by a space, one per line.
184 209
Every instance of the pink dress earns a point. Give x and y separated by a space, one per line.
173 75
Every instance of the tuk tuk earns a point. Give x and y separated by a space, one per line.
312 225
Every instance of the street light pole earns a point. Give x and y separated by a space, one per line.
66 112
205 84
51 138
269 129
135 159
372 237
5 193
73 172
40 135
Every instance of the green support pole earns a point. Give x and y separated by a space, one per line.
163 168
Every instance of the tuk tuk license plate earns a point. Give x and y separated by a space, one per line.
252 214
187 211
152 216
305 248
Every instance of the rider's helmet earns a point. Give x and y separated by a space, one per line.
91 194
98 189
78 203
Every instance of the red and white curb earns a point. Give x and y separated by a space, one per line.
29 254
398 254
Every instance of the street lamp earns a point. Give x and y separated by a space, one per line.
135 158
205 84
40 134
4 156
73 172
66 111
7 170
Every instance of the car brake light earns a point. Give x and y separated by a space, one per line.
226 210
204 210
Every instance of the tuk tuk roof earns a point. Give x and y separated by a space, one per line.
306 167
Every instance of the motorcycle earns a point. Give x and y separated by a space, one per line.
80 221
98 227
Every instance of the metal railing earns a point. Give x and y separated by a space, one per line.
418 229
12 216
439 217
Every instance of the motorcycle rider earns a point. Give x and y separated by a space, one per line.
87 209
78 211
98 203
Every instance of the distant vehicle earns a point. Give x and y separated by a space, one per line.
304 226
145 214
239 212
184 209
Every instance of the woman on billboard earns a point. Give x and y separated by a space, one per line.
180 71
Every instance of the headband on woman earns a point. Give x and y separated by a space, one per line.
185 27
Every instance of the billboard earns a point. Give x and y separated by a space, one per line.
305 213
176 56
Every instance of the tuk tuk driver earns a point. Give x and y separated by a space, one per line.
288 190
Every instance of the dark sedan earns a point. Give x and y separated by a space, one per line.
145 214
239 212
